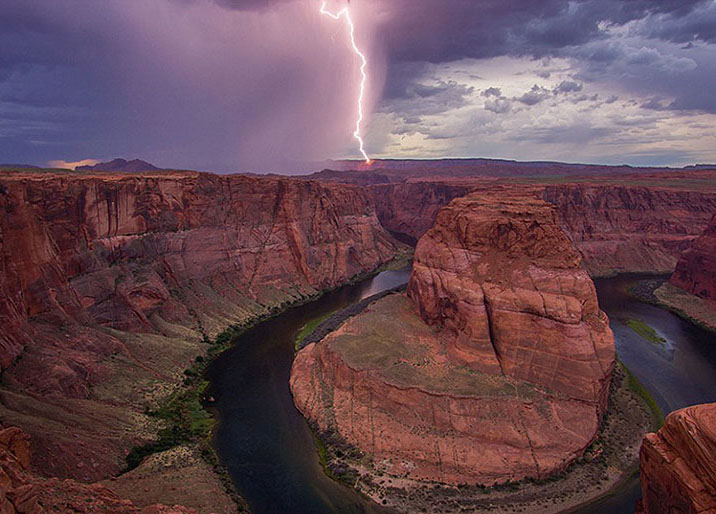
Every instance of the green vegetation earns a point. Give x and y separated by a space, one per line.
645 331
638 388
309 327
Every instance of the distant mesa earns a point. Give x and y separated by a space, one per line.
121 165
16 166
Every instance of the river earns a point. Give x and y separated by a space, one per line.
269 450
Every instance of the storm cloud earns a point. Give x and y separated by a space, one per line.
266 84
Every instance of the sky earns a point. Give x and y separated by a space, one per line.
270 85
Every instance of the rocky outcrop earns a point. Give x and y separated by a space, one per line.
22 492
109 283
678 464
696 270
409 209
501 275
624 228
493 368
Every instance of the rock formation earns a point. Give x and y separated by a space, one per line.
696 270
619 224
502 374
678 464
620 228
109 282
22 492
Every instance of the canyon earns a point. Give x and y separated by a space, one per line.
696 270
678 464
494 368
113 284
620 224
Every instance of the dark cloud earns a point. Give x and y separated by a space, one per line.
492 91
439 31
568 86
534 96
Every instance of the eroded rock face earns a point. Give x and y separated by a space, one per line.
622 229
494 367
617 228
678 463
696 270
109 282
22 492
506 280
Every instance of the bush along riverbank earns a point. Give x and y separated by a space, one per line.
185 416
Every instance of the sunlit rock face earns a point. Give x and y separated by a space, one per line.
678 464
494 367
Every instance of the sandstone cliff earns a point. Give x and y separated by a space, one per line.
504 278
678 464
22 492
624 228
619 224
109 282
410 208
494 368
696 270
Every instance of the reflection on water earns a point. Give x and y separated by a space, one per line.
269 450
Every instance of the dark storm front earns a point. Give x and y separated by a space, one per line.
269 448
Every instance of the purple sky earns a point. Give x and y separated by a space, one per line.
262 85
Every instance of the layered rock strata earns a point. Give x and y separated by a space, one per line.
696 270
620 228
619 224
108 283
22 492
495 366
678 464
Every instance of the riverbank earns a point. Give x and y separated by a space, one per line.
180 465
660 292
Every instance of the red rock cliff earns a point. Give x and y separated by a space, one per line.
620 228
504 373
619 224
501 274
22 492
696 270
108 283
678 464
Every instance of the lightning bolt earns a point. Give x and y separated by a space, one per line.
346 14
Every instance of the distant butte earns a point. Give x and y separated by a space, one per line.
121 165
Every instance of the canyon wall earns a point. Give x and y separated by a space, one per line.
678 464
620 228
22 492
410 208
499 272
110 282
696 269
635 224
494 367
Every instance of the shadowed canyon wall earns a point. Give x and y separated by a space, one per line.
696 270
